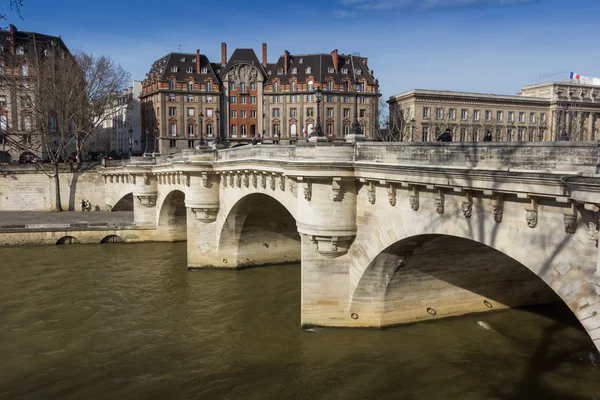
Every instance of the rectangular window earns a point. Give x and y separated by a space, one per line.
171 97
346 99
243 114
464 114
309 112
521 117
276 113
425 112
488 115
252 85
293 98
330 98
275 99
439 113
330 112
499 116
346 112
233 113
209 112
172 143
452 114
190 98
232 86
190 144
361 99
172 111
543 117
252 99
532 118
425 137
252 113
173 129
293 112
361 113
232 99
511 116
2 101
521 134
476 115
310 98
243 99
190 112
27 123
209 98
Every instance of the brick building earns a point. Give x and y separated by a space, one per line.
189 101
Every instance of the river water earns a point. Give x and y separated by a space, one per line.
130 322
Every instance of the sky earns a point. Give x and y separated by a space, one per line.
485 46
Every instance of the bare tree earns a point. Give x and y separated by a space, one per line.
59 99
14 5
400 123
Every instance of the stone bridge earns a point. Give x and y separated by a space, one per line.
387 233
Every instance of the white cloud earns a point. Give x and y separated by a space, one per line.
349 8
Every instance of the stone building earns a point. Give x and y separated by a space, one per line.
544 112
17 48
188 101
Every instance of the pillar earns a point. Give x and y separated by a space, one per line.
144 200
327 224
202 203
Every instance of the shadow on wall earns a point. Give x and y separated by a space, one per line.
125 204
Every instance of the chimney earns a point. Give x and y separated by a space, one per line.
286 56
223 53
13 33
264 54
334 55
366 60
197 61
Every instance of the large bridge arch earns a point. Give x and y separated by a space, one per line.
257 229
561 261
172 217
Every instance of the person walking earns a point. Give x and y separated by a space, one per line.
446 136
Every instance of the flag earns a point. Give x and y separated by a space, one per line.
303 130
574 75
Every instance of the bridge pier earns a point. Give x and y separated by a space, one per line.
145 194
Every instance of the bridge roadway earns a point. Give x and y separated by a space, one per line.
387 233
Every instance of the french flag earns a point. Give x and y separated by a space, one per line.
303 130
573 75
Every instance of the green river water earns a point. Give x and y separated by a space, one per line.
130 322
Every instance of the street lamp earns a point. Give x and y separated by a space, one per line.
130 141
156 150
355 130
412 129
318 131
201 119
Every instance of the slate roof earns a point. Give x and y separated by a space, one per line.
161 68
243 56
30 40
319 68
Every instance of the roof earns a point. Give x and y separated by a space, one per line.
243 56
162 68
318 66
30 40
465 95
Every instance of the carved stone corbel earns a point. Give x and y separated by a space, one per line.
532 213
111 178
371 192
498 208
332 246
272 182
466 202
187 180
224 180
336 189
439 199
570 218
238 180
263 181
293 187
246 179
204 214
306 188
254 180
179 178
391 191
414 198
206 180
282 183
147 200
593 231
231 183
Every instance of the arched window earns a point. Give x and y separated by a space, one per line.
190 85
172 84
243 87
346 86
308 70
191 131
294 71
208 86
52 124
310 85
330 70
329 129
24 70
346 129
209 130
279 71
203 70
243 130
329 85
276 86
275 129
189 70
3 123
20 50
293 86
174 68
233 131
293 130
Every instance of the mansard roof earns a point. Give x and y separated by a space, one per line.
30 40
243 56
320 66
162 68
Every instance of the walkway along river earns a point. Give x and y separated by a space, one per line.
128 321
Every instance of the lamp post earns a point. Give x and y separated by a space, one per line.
201 119
412 129
356 133
317 134
156 150
130 141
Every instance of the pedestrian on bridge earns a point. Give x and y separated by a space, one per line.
446 136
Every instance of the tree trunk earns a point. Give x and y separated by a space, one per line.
57 201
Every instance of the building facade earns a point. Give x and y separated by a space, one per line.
187 101
544 112
17 123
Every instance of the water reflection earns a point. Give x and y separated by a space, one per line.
129 321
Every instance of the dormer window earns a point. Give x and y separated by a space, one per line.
189 70
269 72
358 72
20 50
219 71
330 70
308 70
301 60
190 85
294 71
182 59
171 84
174 68
276 86
293 86
203 70
279 71
344 70
194 60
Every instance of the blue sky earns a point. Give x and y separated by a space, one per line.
494 46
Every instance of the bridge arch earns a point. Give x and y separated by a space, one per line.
397 273
125 203
172 218
258 229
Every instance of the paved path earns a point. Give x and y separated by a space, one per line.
27 219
